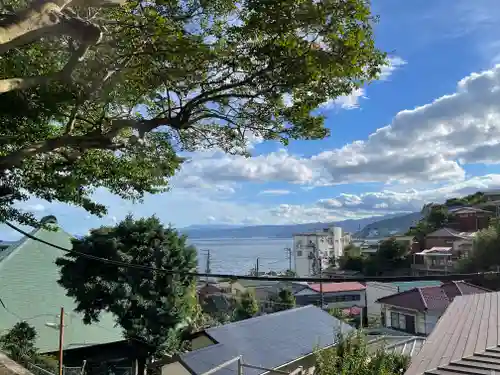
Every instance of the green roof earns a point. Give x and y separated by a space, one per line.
407 285
30 292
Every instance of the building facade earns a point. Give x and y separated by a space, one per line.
316 249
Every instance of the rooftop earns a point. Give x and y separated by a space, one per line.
431 297
448 232
269 340
466 339
348 286
29 289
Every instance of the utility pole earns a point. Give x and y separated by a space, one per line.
289 257
318 260
257 267
61 340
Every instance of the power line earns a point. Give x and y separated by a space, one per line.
334 279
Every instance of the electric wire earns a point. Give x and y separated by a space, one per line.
332 278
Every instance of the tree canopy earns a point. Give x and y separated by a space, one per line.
284 300
150 306
351 356
97 96
246 307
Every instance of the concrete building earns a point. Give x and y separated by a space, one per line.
314 249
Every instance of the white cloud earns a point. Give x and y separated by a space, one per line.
393 63
274 192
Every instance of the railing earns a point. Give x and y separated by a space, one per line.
37 370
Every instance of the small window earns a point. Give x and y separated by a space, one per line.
299 253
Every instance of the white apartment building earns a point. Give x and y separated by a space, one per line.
311 248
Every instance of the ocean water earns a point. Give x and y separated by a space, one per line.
239 255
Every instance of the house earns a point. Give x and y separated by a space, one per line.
469 219
285 341
30 292
342 295
417 310
492 195
311 248
375 291
466 339
445 237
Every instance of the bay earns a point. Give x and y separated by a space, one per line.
239 255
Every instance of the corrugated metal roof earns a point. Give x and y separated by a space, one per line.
268 341
465 341
409 346
348 286
29 289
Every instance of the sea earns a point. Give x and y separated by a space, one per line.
239 255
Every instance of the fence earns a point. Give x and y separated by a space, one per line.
241 366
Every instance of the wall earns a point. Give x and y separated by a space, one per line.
420 318
439 242
308 297
374 291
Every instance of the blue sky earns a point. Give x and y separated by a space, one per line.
429 129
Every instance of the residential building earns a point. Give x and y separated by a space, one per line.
492 195
284 341
30 292
374 291
342 295
465 341
314 249
417 310
445 237
469 219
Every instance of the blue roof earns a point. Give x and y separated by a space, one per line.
267 341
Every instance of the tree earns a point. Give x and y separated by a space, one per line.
391 255
247 307
96 96
351 356
284 300
352 262
151 307
19 342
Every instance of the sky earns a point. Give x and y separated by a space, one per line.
427 130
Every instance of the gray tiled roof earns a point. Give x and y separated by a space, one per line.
268 341
465 341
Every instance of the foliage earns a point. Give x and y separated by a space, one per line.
247 306
351 356
436 217
284 300
352 263
165 77
150 306
19 342
290 273
352 250
469 200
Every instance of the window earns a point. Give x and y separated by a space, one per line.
299 253
403 322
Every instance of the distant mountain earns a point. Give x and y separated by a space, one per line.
389 226
286 231
210 227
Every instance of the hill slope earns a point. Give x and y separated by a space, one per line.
386 227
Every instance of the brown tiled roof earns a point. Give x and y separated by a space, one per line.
431 297
466 340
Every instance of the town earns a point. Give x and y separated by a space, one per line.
260 324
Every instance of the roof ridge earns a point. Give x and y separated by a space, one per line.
422 297
260 317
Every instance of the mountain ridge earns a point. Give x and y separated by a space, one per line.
389 224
